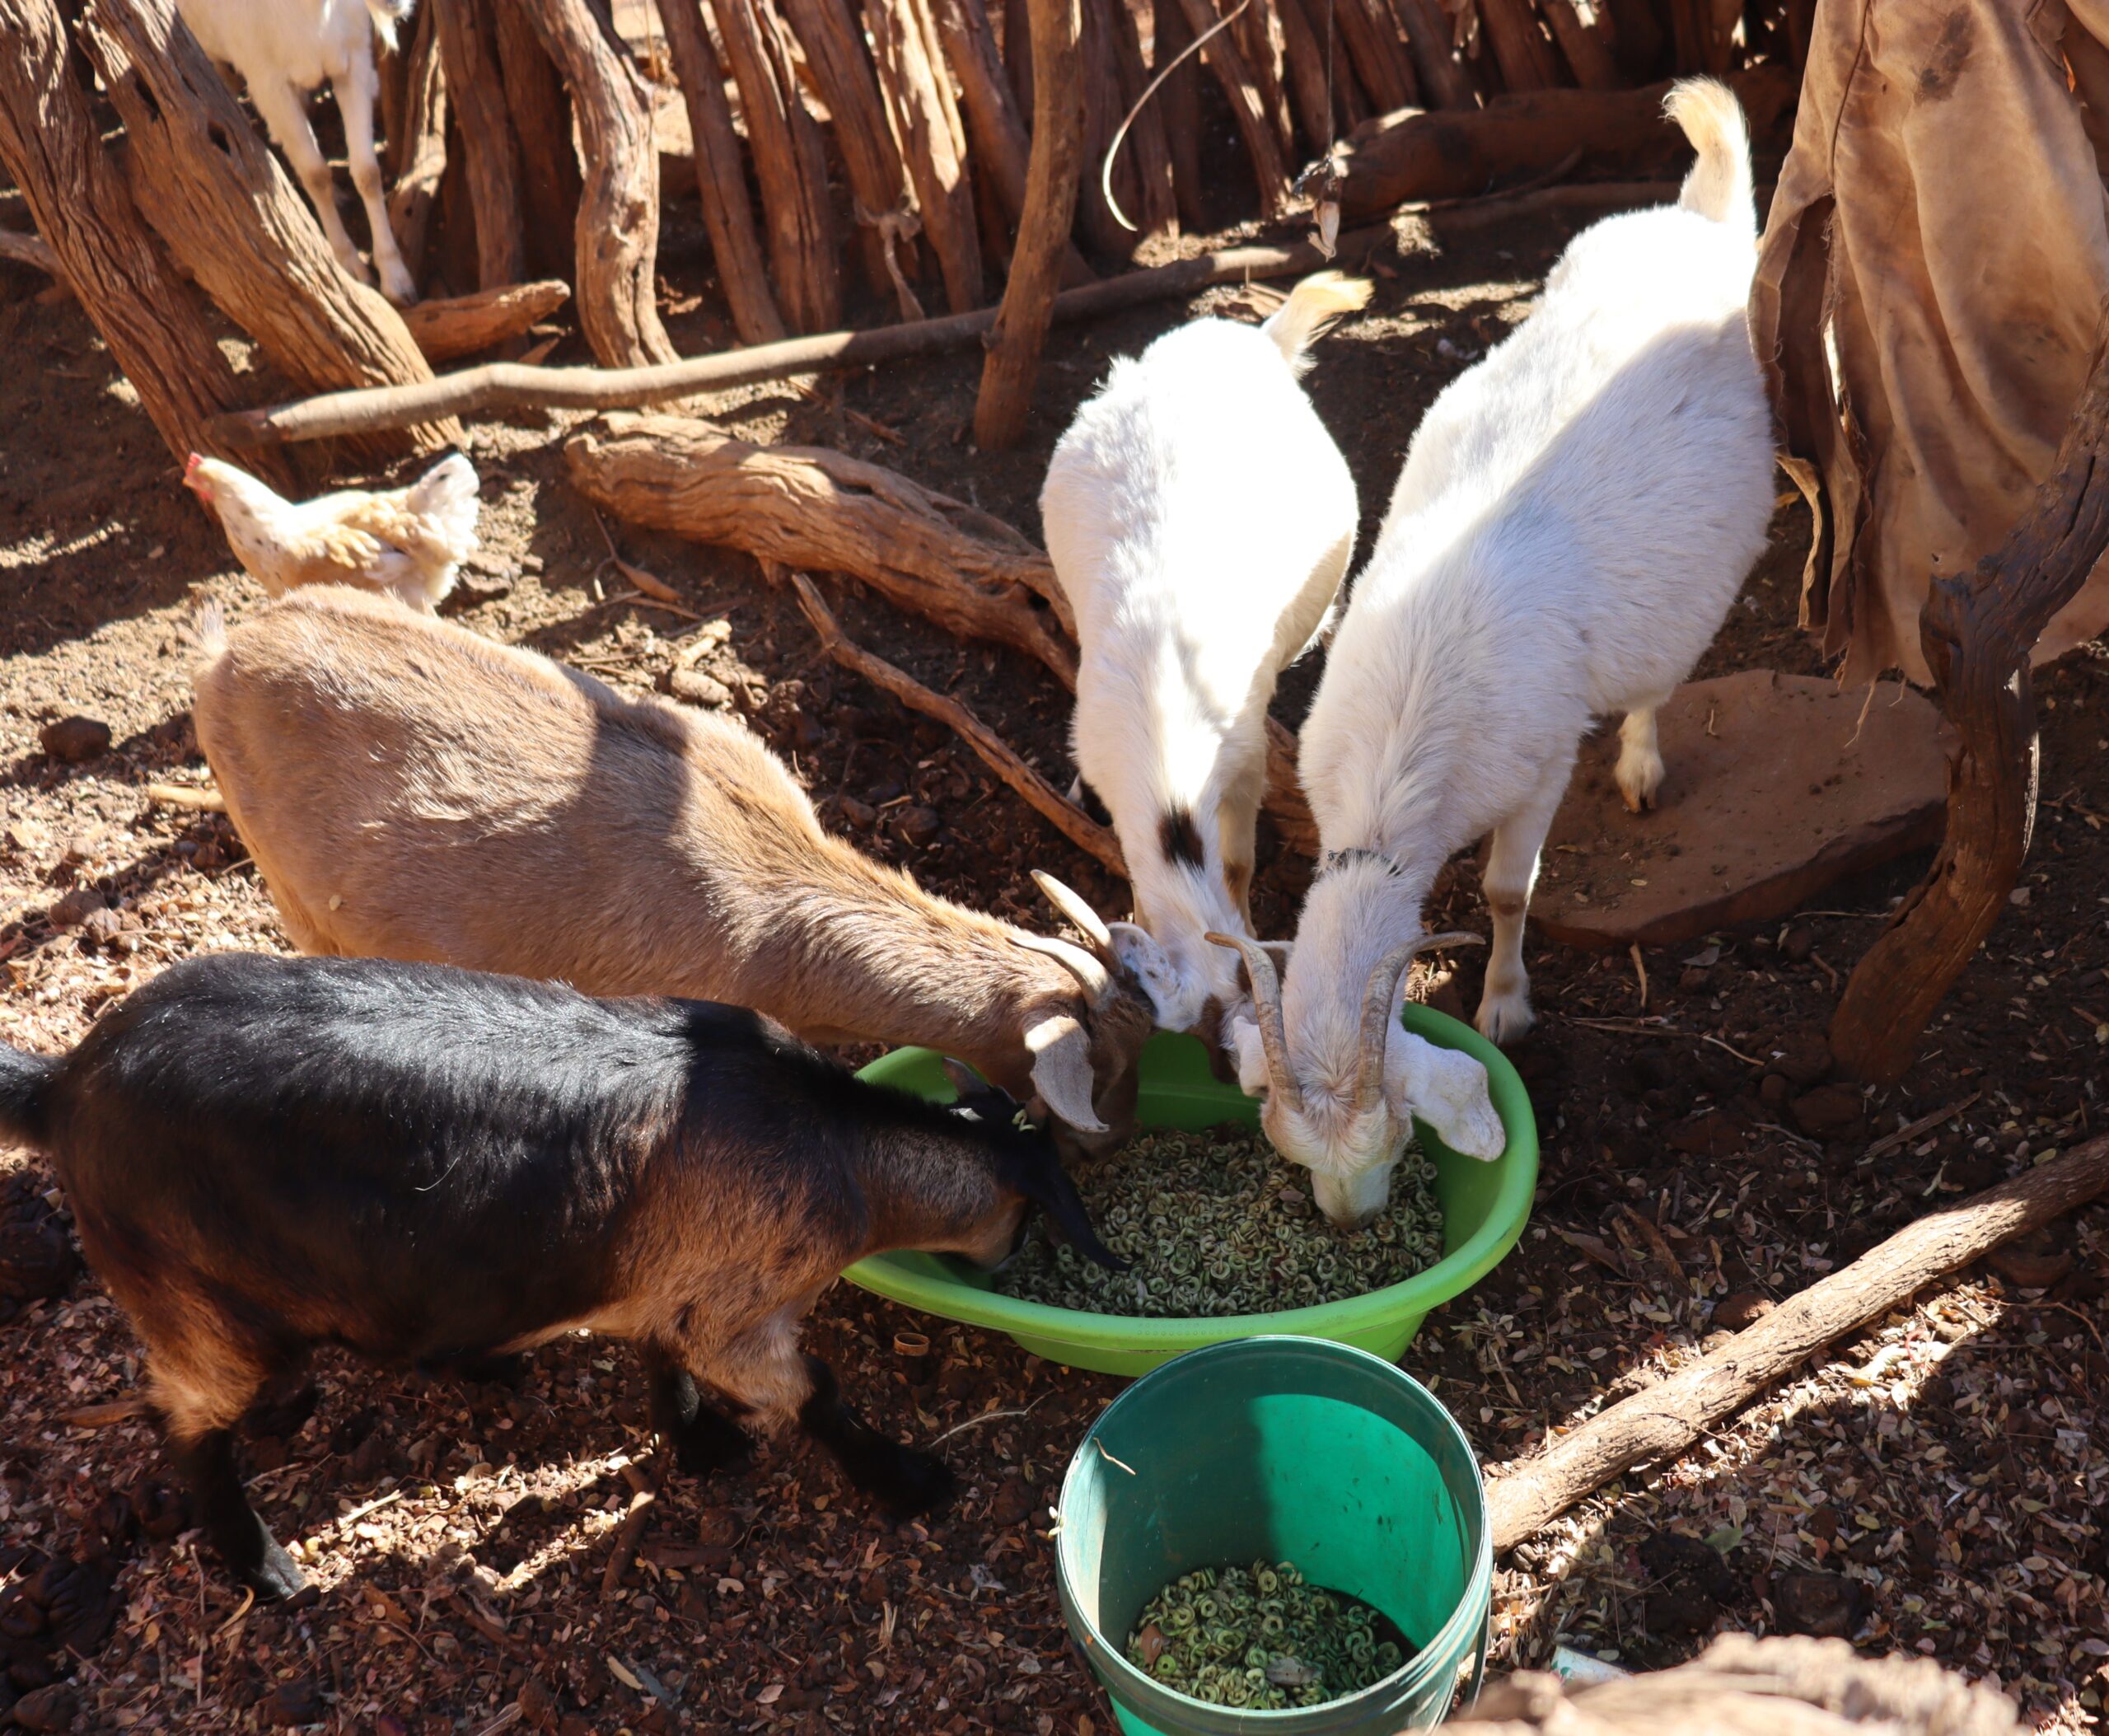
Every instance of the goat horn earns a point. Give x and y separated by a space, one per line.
1071 903
1378 1003
1267 1006
1090 972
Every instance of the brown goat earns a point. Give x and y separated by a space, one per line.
411 790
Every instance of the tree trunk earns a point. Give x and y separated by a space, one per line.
721 175
1179 97
1445 80
617 226
1253 124
233 220
932 143
1978 632
1588 54
1014 343
841 67
549 158
789 163
152 319
475 86
419 157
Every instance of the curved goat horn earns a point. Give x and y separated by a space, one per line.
1267 1004
1091 973
1379 1003
1072 904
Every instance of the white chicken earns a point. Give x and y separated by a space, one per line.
408 542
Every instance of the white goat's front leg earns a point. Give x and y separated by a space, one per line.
1238 819
1639 756
355 95
1512 871
284 110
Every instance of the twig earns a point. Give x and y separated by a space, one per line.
626 1538
505 1721
1889 1142
372 1506
1660 1027
650 583
110 1411
176 795
1640 971
1111 1460
975 1422
1074 824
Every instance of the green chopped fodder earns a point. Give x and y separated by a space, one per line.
1215 1224
1261 1639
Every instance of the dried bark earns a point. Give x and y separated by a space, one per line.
1977 633
95 240
788 163
475 89
463 325
511 385
1655 1426
721 175
1459 154
417 157
810 507
1020 327
550 185
215 192
1446 81
618 228
1520 48
918 97
1587 52
878 181
1254 126
1179 98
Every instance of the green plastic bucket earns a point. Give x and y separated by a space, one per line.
1485 1208
1280 1449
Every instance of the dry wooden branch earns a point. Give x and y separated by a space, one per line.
1075 825
1303 53
1461 153
722 176
1100 71
1638 33
419 153
1257 30
475 89
215 192
1587 52
1446 80
1369 34
550 186
1978 632
628 1535
93 238
1180 98
918 93
842 72
1520 47
511 385
788 164
460 325
808 506
1658 1423
1742 1686
617 226
1254 125
1146 142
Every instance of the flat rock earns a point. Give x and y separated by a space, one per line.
1770 796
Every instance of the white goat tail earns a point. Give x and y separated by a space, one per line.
1719 183
209 630
1312 310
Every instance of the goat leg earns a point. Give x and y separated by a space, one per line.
703 1438
206 1464
901 1479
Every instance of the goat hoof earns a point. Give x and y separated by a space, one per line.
915 1483
1503 1019
275 1578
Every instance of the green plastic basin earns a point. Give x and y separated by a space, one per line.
1485 1207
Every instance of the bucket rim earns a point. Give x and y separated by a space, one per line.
1467 1620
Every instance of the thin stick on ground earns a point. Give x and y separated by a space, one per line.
1655 1426
1074 823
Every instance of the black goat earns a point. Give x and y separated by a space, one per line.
428 1164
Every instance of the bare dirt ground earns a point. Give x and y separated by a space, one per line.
1942 1488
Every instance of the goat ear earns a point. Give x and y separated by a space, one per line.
1447 1089
1048 1186
1061 1070
1151 965
967 1083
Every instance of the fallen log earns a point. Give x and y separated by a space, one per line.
502 386
1743 1686
1460 154
917 93
550 184
812 507
476 91
617 232
460 325
214 191
1978 632
1655 1425
417 152
1072 821
721 175
94 241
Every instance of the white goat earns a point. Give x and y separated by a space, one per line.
1574 518
1201 519
285 49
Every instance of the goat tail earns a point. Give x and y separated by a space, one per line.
1719 184
386 15
208 631
1310 312
24 1078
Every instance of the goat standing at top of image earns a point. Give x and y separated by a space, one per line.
287 49
1575 516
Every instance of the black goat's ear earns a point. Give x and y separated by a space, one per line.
990 1103
967 1083
1048 1186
